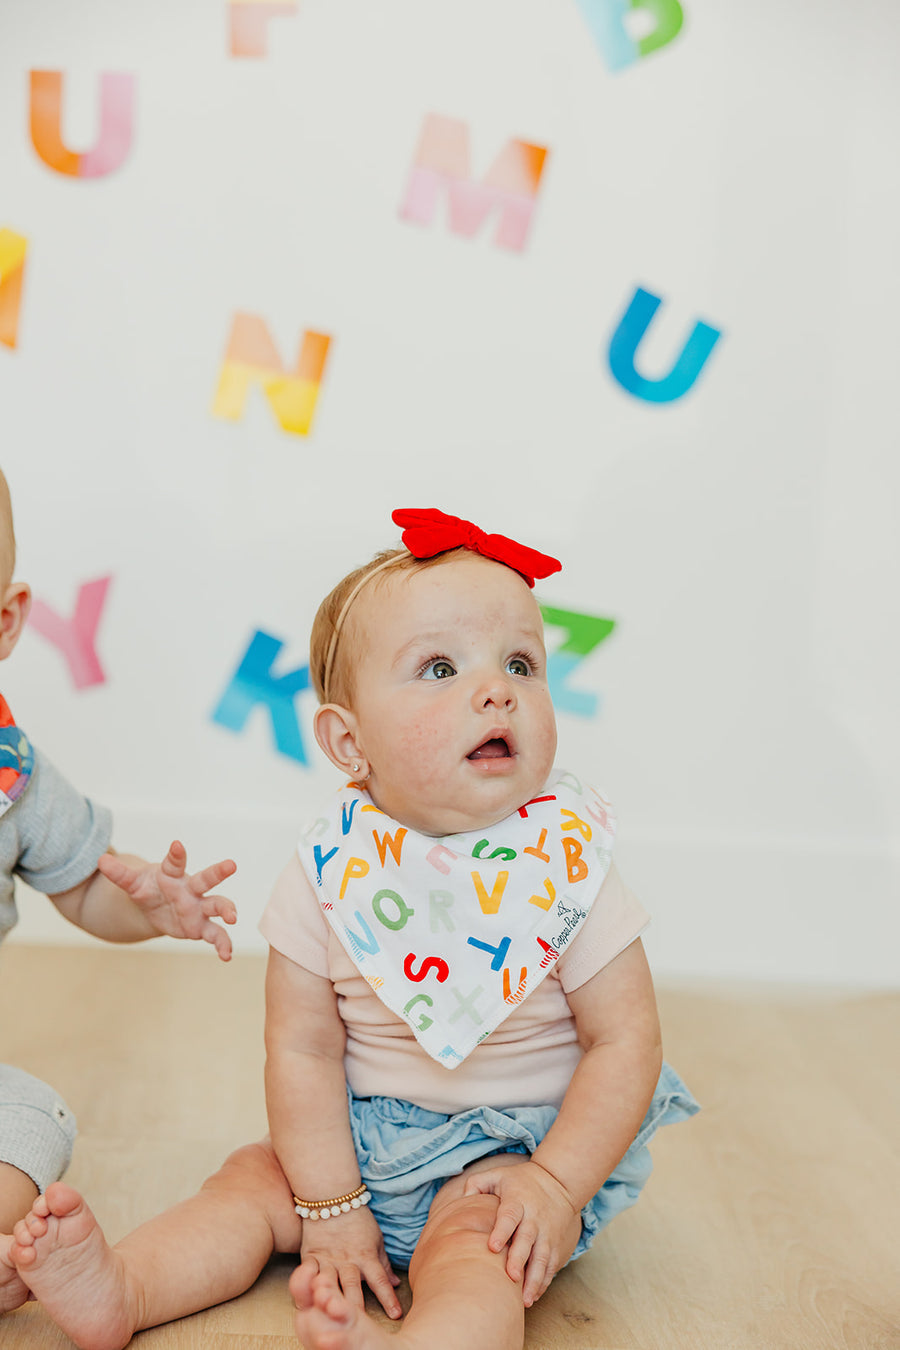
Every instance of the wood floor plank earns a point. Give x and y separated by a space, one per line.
771 1220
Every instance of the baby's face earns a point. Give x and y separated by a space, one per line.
453 710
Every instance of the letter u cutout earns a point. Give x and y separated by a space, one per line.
114 138
628 337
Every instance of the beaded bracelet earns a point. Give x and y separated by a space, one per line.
324 1209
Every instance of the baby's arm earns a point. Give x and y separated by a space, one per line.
618 1027
306 1095
127 900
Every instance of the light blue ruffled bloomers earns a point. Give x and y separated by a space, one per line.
406 1154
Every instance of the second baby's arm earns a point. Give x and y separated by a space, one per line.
129 900
306 1095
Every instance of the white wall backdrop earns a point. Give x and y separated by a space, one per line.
734 509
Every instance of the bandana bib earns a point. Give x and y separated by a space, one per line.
16 759
454 933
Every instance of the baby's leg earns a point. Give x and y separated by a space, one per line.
37 1131
17 1194
463 1298
205 1250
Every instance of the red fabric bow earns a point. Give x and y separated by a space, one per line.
429 531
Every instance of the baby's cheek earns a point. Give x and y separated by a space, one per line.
419 745
544 715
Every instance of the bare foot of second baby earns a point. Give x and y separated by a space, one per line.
62 1256
327 1320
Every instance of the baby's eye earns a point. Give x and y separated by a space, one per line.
517 665
438 669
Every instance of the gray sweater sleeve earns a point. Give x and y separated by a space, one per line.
60 833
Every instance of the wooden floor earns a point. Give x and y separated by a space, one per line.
772 1219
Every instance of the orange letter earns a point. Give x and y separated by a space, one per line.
537 851
394 842
576 867
508 995
116 121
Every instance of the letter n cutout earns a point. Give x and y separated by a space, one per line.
252 358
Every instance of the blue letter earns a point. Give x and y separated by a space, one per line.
371 943
606 20
254 683
499 952
321 860
627 338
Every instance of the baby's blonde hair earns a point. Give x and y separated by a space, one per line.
7 535
334 643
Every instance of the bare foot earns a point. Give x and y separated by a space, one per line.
326 1320
13 1290
64 1259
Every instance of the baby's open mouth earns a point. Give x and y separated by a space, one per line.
493 749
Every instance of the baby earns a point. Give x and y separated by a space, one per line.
463 1052
58 842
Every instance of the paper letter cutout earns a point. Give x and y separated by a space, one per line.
76 637
606 20
116 124
13 248
627 338
248 24
251 358
442 164
253 683
584 632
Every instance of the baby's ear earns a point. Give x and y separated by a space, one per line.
335 729
15 602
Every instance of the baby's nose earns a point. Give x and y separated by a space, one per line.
496 691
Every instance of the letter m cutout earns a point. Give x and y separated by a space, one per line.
442 166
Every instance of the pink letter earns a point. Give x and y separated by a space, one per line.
249 24
442 166
75 637
436 858
116 124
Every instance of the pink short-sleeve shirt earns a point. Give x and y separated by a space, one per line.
527 1061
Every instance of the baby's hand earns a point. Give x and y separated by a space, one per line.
172 902
346 1250
535 1214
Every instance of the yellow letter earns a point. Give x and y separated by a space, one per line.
490 903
